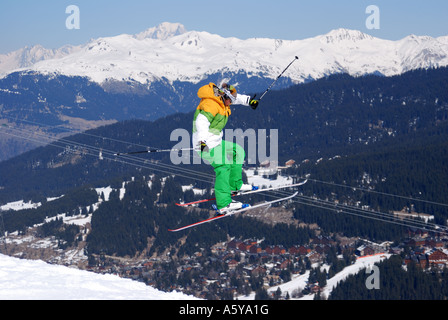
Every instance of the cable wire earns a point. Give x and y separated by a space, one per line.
138 162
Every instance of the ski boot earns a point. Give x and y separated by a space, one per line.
244 188
232 206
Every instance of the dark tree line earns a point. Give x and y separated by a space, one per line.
395 283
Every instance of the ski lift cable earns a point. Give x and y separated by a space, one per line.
374 215
124 160
386 216
378 192
396 222
114 153
136 160
95 150
211 176
345 207
74 131
361 213
142 163
132 161
324 204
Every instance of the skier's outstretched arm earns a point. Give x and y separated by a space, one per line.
246 100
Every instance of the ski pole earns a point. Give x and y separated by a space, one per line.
151 151
267 90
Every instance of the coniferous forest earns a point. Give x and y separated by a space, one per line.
372 142
384 134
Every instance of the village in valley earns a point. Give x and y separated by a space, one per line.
240 267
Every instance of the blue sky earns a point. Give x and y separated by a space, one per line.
30 22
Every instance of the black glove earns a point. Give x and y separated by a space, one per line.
253 104
204 147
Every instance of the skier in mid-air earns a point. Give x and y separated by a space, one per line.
226 157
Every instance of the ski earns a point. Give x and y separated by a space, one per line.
231 213
244 193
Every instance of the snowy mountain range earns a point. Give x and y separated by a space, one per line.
28 56
170 52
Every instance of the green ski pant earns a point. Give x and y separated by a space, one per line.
227 160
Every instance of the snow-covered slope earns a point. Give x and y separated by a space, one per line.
299 282
30 280
169 51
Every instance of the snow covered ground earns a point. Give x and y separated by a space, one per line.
19 205
256 178
300 281
37 280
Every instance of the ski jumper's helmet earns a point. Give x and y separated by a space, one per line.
228 92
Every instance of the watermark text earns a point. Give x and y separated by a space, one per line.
73 21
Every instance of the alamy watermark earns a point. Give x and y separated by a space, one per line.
262 146
373 280
73 21
373 20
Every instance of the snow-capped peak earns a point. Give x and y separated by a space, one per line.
342 34
163 31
